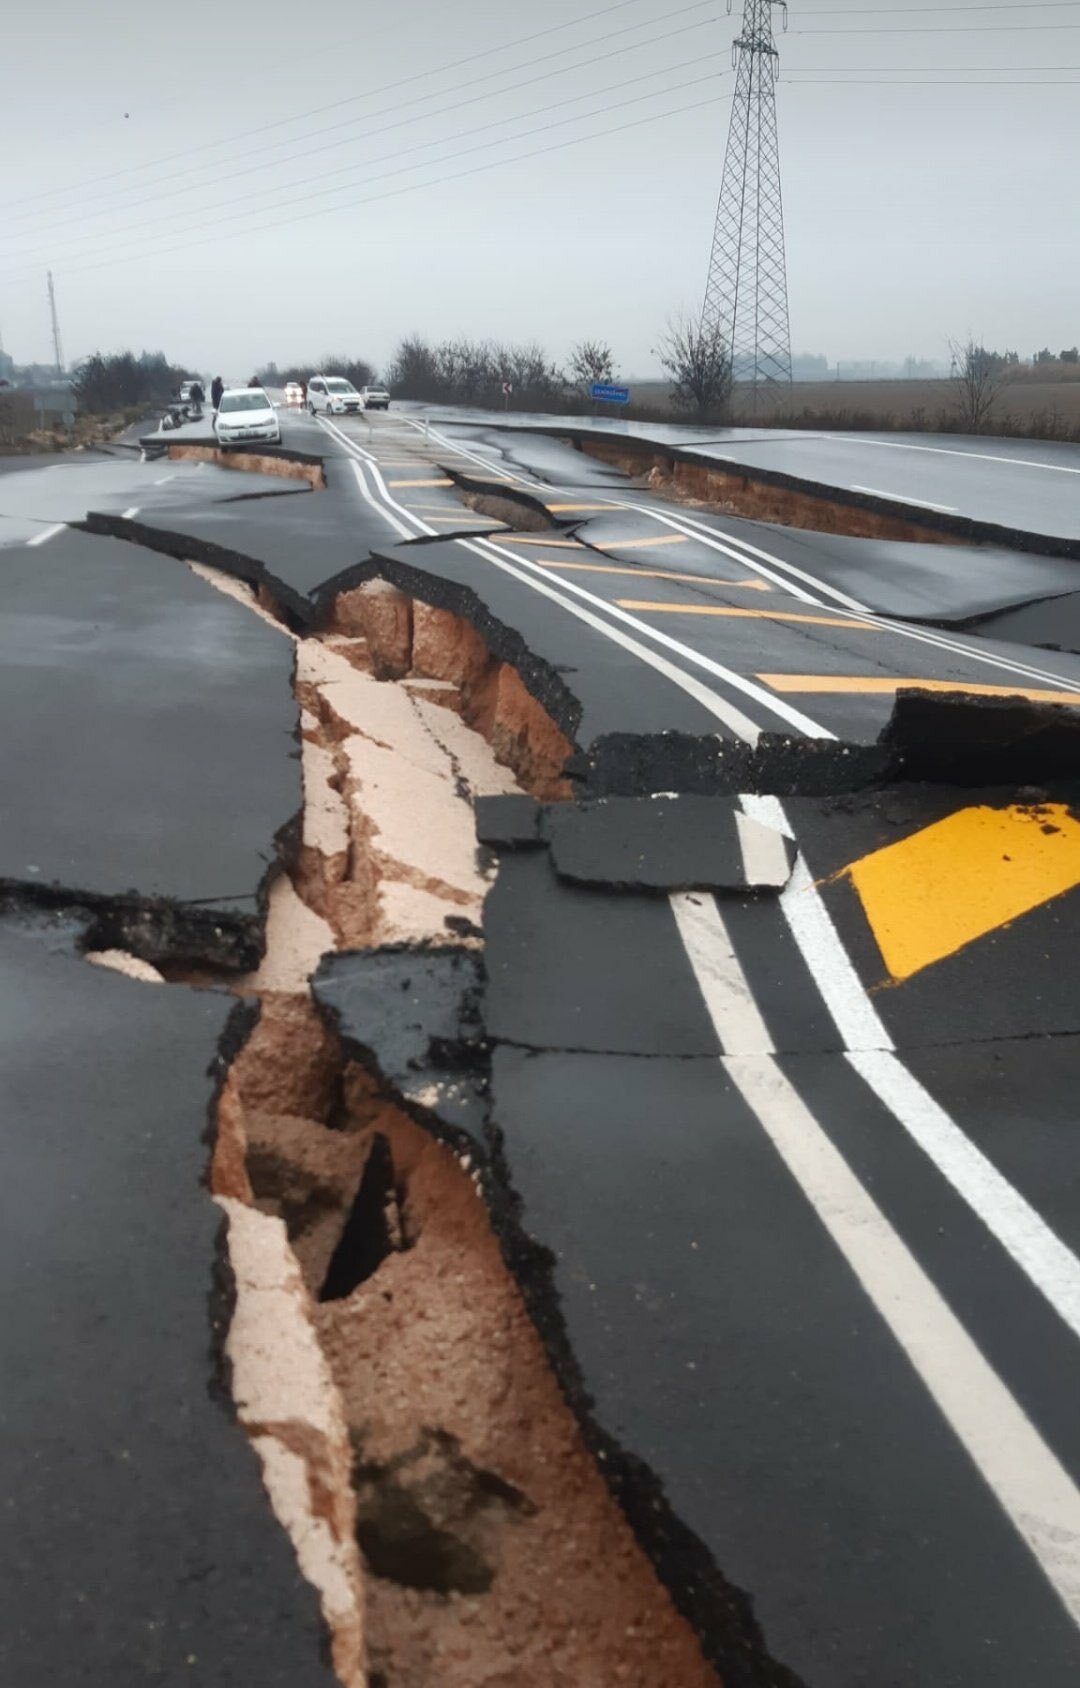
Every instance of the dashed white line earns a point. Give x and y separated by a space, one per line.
951 451
906 498
49 533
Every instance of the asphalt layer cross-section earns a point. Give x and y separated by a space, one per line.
773 1120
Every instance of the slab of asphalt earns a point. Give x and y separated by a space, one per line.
721 1339
140 1544
70 489
946 584
1026 487
149 748
1052 624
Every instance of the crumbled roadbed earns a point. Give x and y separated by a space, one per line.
415 1442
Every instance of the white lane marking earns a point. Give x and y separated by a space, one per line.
399 527
979 1184
1030 1483
764 563
920 635
951 451
1032 1244
165 478
765 857
906 498
49 533
731 717
718 707
681 524
1023 1234
854 1015
735 1015
738 682
1035 1491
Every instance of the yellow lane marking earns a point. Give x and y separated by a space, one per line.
550 544
420 483
757 615
876 684
931 894
579 506
654 574
641 544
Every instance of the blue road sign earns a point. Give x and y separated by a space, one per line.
610 395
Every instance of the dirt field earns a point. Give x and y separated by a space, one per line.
1045 404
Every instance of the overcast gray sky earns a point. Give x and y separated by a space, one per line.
914 212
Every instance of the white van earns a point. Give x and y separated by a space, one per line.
334 394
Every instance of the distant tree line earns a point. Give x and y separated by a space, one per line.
123 381
1070 355
357 370
474 372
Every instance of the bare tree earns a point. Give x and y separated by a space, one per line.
977 378
592 363
699 363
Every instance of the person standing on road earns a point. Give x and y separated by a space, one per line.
217 387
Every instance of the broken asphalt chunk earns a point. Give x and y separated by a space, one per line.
415 1016
508 823
966 740
667 843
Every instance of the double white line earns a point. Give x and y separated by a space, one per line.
1029 1481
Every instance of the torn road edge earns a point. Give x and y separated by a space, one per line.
720 1614
301 1462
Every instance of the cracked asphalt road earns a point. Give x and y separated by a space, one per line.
812 1211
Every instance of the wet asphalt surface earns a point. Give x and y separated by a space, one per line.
803 1155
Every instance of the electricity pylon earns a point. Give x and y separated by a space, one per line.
58 350
746 295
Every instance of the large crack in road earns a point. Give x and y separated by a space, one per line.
417 1057
423 1420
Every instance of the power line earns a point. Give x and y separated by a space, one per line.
946 69
417 187
1017 6
379 129
385 88
923 82
948 29
305 199
441 141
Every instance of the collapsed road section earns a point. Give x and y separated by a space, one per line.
644 1248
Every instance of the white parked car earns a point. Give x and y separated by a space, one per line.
334 394
246 413
294 393
375 398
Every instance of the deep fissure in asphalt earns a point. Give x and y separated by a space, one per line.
483 1541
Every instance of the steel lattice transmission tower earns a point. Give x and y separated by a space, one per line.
746 296
58 350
